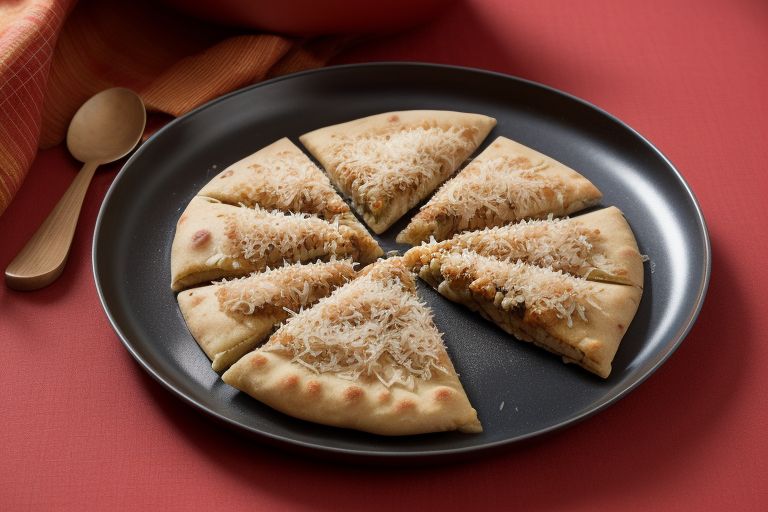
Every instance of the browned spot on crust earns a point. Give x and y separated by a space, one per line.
353 393
384 396
200 238
195 301
443 394
469 133
227 174
621 327
521 163
258 360
313 387
393 118
405 405
182 219
290 381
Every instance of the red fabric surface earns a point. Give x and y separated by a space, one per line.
84 427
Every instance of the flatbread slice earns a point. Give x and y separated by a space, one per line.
598 246
506 183
278 177
228 319
390 162
368 357
215 240
582 321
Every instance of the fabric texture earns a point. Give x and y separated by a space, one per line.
54 55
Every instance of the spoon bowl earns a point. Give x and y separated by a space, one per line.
106 128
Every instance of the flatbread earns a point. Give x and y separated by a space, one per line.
368 357
278 177
215 240
506 183
582 321
388 163
230 318
598 246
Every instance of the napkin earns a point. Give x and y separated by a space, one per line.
54 55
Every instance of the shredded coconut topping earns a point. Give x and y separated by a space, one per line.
493 192
561 244
292 287
260 235
375 168
289 182
372 327
540 291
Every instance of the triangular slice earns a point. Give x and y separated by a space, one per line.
368 357
582 321
598 246
278 177
230 318
389 162
506 183
215 240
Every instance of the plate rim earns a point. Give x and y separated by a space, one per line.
287 442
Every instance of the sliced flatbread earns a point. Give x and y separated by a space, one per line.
215 240
582 321
598 246
506 183
230 318
278 177
368 357
390 162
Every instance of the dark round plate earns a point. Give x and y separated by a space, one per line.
518 390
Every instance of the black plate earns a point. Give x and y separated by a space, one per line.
539 393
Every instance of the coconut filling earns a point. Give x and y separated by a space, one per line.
257 239
507 313
559 244
373 329
381 170
385 210
287 182
261 301
488 193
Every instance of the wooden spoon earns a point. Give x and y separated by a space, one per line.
107 127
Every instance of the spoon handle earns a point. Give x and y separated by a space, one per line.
42 260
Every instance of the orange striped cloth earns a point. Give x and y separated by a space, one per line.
55 55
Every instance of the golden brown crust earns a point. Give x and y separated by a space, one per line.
389 162
505 183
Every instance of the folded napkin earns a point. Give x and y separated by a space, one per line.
54 55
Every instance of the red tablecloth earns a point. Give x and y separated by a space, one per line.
83 427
